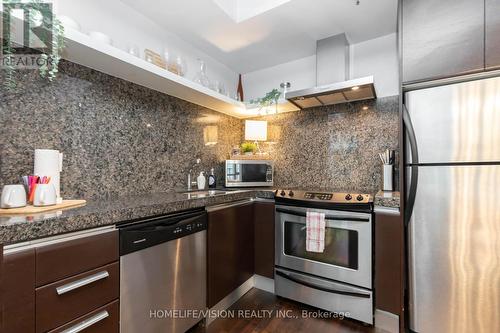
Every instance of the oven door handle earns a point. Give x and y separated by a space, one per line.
315 286
327 217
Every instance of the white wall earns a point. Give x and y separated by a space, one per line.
377 57
128 27
300 73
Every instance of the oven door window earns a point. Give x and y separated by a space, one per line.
341 245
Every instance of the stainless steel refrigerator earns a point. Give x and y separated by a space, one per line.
453 206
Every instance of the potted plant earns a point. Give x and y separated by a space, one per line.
248 148
265 103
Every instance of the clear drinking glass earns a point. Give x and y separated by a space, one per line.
221 88
181 66
133 50
166 57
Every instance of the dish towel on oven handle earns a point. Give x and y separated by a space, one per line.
315 232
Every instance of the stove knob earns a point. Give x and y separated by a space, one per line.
290 193
348 197
359 197
283 193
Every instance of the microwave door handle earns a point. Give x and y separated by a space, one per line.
327 217
315 286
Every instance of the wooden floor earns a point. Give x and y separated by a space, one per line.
257 299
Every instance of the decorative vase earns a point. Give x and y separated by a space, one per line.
201 77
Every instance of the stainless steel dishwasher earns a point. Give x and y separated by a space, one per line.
163 273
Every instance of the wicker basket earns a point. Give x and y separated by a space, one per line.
155 58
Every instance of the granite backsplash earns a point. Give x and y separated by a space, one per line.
118 138
334 147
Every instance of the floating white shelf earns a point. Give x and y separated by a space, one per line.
83 50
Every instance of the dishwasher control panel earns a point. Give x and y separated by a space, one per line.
143 234
188 228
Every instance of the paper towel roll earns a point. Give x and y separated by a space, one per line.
48 162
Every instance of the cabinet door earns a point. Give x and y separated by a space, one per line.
492 34
81 297
78 255
264 238
1 288
18 284
389 260
230 249
441 38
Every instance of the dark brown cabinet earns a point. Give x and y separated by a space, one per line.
264 238
18 285
61 260
389 261
1 288
492 34
108 324
230 249
77 302
443 38
59 285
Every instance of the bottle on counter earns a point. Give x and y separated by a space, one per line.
211 179
200 181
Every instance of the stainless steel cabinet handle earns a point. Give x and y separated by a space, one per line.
314 286
88 322
83 282
230 205
327 217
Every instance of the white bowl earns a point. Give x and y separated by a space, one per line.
99 36
69 23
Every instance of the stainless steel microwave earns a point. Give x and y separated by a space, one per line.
249 173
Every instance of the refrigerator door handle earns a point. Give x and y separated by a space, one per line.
412 192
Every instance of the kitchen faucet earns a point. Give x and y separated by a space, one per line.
189 182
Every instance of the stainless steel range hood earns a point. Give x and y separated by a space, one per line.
332 78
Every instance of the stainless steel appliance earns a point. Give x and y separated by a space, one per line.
340 278
163 268
249 173
333 83
452 209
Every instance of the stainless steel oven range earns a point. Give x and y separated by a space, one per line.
340 278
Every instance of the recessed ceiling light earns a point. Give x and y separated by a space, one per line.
355 88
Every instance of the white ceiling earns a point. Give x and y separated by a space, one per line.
277 35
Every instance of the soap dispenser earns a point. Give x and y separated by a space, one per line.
211 179
200 181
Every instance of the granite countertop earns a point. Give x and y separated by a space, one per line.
98 213
106 212
387 199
